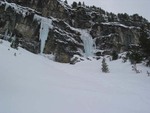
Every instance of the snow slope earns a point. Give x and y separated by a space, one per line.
31 83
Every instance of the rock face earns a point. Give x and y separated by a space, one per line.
23 28
53 27
115 36
45 7
62 41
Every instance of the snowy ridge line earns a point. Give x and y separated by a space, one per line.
66 6
18 8
119 24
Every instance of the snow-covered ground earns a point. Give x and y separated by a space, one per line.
31 83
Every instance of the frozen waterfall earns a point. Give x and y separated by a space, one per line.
46 24
43 34
89 44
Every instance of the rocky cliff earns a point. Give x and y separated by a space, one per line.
53 27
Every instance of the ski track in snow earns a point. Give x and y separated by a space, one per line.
30 83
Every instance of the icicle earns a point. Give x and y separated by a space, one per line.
5 35
43 34
6 5
46 24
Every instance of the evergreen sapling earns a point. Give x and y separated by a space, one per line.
104 66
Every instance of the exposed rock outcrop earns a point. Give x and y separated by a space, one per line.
61 41
115 36
53 27
46 7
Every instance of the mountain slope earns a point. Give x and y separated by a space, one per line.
53 27
30 83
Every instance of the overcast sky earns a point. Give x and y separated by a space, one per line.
142 7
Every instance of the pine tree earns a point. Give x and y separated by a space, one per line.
83 4
104 66
135 56
114 55
74 5
79 3
144 43
66 2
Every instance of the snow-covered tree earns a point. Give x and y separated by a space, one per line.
104 66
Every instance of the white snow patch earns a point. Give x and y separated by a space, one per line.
31 83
